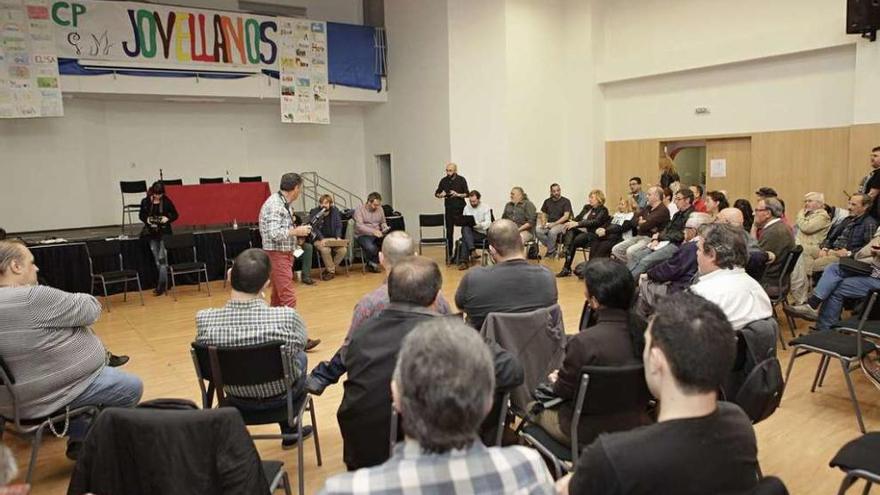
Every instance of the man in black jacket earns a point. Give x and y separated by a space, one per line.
365 413
329 221
664 244
158 213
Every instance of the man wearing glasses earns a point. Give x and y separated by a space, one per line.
665 243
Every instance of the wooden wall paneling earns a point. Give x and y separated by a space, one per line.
625 159
738 154
862 138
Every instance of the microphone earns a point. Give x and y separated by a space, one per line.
161 178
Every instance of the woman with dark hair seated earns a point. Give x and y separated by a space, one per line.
745 207
612 337
715 202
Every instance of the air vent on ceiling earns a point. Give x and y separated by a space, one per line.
271 9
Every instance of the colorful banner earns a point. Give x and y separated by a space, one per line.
303 72
164 36
29 80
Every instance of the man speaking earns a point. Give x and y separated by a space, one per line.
453 188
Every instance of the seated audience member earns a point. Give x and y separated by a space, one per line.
610 340
471 237
635 192
397 246
715 202
621 228
813 224
699 203
837 284
442 387
49 346
721 258
649 221
757 257
675 274
775 238
330 228
849 236
512 285
664 244
581 232
669 202
364 415
557 209
522 212
745 207
370 227
248 320
699 444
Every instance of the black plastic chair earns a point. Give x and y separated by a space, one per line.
183 243
847 345
859 459
172 182
221 367
254 178
210 180
602 390
234 242
778 290
138 187
33 428
111 249
433 220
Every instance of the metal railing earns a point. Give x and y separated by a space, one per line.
314 186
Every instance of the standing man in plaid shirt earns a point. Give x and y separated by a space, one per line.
248 320
279 240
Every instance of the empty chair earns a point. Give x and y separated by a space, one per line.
859 460
111 251
434 220
138 187
254 178
219 367
778 289
147 451
32 428
234 242
210 180
172 182
184 245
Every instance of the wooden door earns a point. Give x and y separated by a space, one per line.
734 156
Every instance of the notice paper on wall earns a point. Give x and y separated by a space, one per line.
302 71
29 80
718 168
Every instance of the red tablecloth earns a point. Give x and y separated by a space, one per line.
209 204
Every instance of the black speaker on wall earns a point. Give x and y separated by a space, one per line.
863 17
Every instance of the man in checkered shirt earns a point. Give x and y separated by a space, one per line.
248 320
442 387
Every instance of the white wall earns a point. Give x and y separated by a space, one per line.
348 11
65 172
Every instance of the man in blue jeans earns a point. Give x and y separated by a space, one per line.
50 351
248 320
837 284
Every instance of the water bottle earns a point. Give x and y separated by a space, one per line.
235 224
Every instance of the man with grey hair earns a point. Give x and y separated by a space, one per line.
397 246
849 236
676 273
442 388
776 238
512 285
721 258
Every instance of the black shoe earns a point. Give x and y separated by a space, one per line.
291 444
115 361
158 291
312 343
308 281
315 385
73 449
328 276
565 272
373 268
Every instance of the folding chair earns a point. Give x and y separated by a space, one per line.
612 390
33 428
254 178
221 367
859 460
131 187
353 247
183 243
172 182
234 242
210 180
848 346
433 220
111 249
778 291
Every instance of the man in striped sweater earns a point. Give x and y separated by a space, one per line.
50 351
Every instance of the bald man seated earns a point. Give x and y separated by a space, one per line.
512 285
758 258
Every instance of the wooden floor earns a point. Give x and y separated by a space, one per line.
795 444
